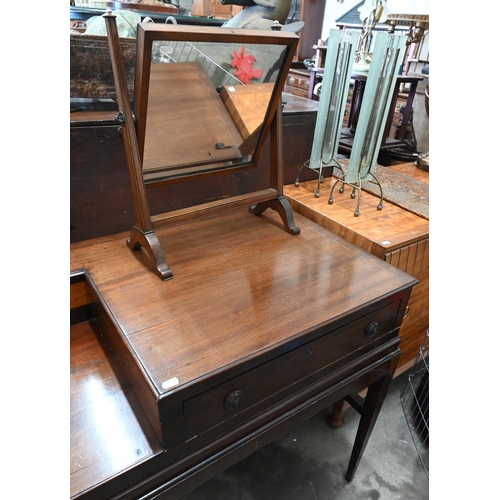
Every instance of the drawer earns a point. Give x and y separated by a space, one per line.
298 84
270 383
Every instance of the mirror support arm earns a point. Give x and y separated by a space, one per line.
142 233
280 203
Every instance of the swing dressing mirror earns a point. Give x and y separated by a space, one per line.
198 114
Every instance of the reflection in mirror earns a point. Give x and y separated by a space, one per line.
207 102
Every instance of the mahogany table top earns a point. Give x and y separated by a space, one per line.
241 286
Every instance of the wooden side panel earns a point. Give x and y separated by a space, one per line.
416 323
80 295
392 258
412 259
422 257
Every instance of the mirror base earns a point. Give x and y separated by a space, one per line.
151 244
282 206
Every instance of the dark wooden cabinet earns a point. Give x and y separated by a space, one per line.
298 82
100 191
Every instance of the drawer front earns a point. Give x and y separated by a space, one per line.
278 379
297 84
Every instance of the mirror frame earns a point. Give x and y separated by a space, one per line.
149 33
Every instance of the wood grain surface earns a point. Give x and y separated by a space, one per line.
102 406
231 272
247 302
377 231
197 119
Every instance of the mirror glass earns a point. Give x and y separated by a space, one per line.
206 104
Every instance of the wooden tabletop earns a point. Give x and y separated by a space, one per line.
411 170
242 285
377 231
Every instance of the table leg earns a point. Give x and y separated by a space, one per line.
336 419
371 408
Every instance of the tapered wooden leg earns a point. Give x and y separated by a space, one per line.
369 414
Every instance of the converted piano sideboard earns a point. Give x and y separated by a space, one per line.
171 382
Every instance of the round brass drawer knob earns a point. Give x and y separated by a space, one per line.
234 400
372 329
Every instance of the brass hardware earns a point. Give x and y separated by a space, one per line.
407 311
120 117
372 329
233 400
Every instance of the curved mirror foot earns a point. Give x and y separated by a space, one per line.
153 248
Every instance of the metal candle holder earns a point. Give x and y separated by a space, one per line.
332 103
387 55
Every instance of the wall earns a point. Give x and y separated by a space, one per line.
186 5
335 9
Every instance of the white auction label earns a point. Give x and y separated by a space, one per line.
171 382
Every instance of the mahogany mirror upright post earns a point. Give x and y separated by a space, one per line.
205 99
